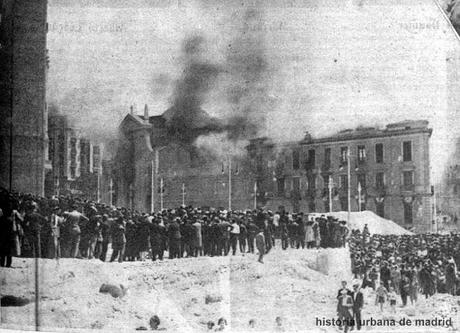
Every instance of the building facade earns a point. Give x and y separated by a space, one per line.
391 166
389 173
151 170
448 193
23 109
76 161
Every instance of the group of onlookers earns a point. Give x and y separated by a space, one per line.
405 265
66 227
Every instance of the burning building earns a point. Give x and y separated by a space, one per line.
390 167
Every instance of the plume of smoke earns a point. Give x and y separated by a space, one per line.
186 120
247 78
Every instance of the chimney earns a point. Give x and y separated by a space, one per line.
131 110
146 112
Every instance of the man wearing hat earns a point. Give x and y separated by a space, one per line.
358 302
54 247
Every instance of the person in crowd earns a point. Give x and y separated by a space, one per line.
174 238
234 235
56 221
118 233
252 232
392 299
242 239
358 303
197 240
381 294
260 244
33 224
105 235
74 220
345 309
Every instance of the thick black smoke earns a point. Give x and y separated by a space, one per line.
186 120
247 93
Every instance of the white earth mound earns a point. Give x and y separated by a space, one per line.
375 223
300 286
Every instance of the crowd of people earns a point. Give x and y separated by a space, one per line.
66 227
401 266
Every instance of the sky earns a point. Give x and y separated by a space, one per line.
329 67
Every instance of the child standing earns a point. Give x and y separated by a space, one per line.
260 244
381 295
392 298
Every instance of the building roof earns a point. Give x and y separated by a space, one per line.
393 129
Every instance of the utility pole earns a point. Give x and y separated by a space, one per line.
229 183
348 181
161 193
98 192
434 210
111 192
183 194
255 195
359 197
152 187
330 187
13 10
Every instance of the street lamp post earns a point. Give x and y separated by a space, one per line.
348 181
359 197
330 186
255 195
153 180
183 194
161 193
229 183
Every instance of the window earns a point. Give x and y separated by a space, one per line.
327 158
362 180
311 182
311 158
379 153
343 182
326 182
295 160
407 151
408 178
361 154
344 203
281 186
407 212
296 185
380 180
343 155
380 208
259 164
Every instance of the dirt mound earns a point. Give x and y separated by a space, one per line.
375 223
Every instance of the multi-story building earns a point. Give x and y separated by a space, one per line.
76 161
23 110
448 193
153 170
389 173
391 166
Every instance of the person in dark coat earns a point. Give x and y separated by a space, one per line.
174 237
9 240
385 275
242 237
157 239
252 232
358 302
118 233
33 223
